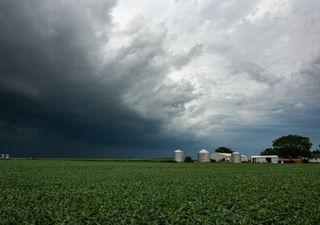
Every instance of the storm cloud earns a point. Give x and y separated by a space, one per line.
108 78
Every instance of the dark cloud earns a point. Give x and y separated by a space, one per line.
51 82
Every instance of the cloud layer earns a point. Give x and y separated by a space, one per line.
139 79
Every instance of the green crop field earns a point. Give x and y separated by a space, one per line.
104 192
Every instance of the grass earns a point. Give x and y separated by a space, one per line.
103 192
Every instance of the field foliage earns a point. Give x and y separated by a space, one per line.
103 192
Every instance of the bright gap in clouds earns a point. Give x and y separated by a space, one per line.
229 65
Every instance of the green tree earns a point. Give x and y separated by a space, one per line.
316 152
223 150
188 159
269 151
292 146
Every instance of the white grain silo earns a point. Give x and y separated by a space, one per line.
235 157
2 156
7 156
178 155
203 156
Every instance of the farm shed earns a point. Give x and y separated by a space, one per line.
292 160
314 160
235 157
217 156
265 158
315 157
220 156
178 155
203 156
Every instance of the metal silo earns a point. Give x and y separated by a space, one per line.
178 155
235 157
203 156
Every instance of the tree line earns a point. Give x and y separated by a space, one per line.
290 146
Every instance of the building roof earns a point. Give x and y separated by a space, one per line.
264 156
178 150
203 151
224 154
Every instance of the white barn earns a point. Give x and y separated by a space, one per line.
217 156
265 158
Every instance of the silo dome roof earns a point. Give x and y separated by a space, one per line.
203 151
235 152
178 150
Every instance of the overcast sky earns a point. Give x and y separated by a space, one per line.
140 78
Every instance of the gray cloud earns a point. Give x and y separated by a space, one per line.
117 76
52 80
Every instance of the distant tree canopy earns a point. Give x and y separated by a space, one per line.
316 152
188 159
223 150
290 146
269 151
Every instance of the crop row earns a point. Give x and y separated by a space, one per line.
84 192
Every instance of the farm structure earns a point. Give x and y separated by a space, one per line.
5 156
235 157
292 160
314 160
178 155
217 156
203 156
265 158
315 157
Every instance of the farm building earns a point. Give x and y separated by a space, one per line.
178 155
203 156
292 160
235 157
265 158
315 157
314 160
5 156
225 156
